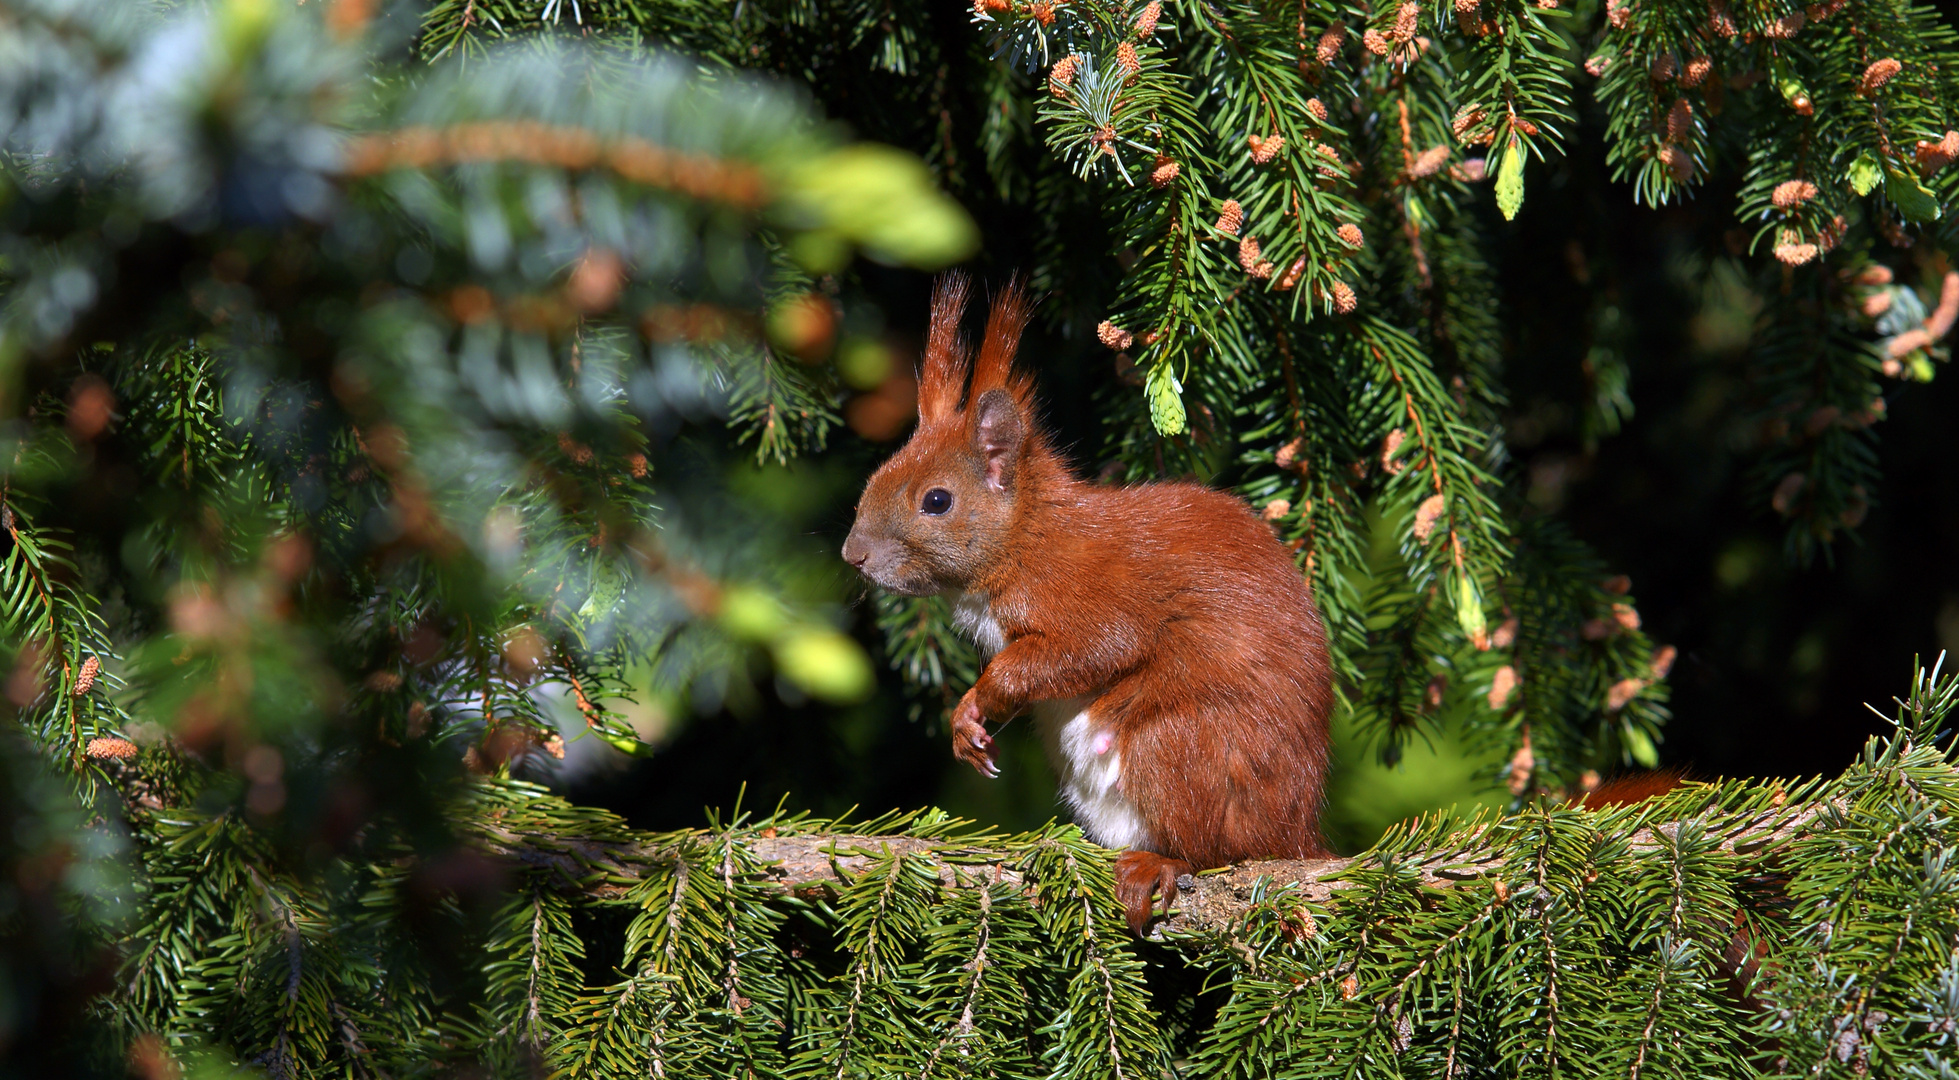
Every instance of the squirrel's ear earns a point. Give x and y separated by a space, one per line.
999 433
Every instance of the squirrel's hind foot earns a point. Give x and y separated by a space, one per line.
1140 877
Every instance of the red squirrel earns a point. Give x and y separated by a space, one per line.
1160 634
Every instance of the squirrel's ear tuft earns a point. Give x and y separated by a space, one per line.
1004 324
943 381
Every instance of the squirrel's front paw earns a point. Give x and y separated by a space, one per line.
970 742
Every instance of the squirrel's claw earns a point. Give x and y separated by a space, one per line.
970 742
975 747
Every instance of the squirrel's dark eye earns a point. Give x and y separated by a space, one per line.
937 501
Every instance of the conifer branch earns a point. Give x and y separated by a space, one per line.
825 865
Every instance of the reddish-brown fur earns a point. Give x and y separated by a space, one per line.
1631 788
1170 605
1741 961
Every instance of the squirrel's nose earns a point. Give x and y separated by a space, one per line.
855 552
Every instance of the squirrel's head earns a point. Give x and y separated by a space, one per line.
937 515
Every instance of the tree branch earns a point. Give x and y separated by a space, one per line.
820 865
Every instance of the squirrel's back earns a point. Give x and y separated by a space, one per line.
1223 721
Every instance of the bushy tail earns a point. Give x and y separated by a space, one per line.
1631 788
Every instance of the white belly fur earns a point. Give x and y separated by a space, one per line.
1088 780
